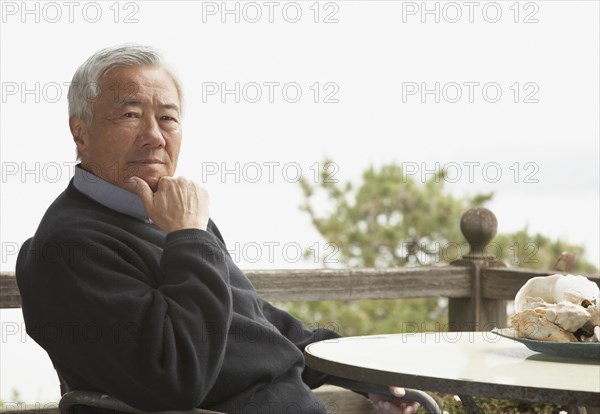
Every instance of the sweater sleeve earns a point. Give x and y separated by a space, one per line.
155 345
293 329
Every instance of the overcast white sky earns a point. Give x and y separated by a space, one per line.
505 94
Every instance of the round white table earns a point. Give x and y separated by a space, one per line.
463 363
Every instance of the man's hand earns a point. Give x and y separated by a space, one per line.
177 204
393 405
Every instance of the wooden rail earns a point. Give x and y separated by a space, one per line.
329 284
504 282
358 284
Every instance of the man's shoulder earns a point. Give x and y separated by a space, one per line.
74 217
67 216
71 209
68 206
75 225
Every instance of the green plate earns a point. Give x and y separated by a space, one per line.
587 350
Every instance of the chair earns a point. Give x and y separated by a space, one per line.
78 398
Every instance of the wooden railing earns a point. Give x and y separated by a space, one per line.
478 286
330 284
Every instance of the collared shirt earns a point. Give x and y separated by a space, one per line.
109 195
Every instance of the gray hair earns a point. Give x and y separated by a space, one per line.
84 86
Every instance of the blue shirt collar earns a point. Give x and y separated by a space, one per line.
109 195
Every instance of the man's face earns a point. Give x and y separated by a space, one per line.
136 128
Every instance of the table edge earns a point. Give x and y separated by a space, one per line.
451 386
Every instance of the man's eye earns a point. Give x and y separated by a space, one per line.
167 118
131 115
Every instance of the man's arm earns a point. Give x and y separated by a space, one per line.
152 336
156 347
387 400
294 330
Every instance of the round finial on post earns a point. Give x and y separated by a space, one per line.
479 226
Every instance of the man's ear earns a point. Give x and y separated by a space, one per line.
79 131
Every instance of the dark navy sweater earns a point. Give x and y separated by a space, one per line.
160 321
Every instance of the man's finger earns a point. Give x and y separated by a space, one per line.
142 189
397 391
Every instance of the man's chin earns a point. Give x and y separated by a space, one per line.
152 182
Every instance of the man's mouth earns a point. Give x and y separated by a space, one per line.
148 161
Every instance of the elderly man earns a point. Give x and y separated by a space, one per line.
134 280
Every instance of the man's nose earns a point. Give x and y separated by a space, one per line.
151 134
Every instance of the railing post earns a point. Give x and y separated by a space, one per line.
478 226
